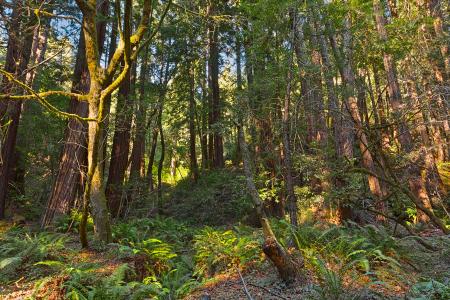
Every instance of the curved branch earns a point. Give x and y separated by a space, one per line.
42 100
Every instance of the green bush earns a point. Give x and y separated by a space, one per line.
19 250
216 250
430 290
72 221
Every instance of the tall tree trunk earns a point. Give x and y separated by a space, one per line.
17 57
440 60
120 147
94 188
304 66
287 162
151 159
336 119
317 91
213 80
137 154
404 137
192 135
73 156
163 150
112 48
351 105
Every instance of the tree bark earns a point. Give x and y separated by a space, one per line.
344 60
285 265
287 161
192 135
120 147
137 154
73 156
404 137
213 81
163 150
17 57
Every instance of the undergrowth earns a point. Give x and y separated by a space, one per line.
162 258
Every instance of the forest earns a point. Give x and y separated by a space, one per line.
224 149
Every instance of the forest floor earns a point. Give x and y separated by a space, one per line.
204 228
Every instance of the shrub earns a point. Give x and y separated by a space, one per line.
20 250
216 251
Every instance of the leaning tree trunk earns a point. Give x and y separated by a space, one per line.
287 268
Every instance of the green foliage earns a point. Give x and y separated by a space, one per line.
167 229
224 190
20 250
429 289
218 250
337 254
72 221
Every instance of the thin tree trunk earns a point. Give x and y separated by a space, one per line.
192 135
351 104
163 150
287 161
151 159
404 137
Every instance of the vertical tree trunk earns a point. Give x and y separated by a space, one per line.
192 135
332 98
137 154
238 156
17 57
304 66
317 92
73 156
112 48
151 159
351 105
287 162
163 150
94 187
120 147
213 80
404 137
345 148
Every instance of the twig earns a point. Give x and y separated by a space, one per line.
247 293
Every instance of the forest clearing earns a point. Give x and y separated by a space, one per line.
224 149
